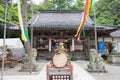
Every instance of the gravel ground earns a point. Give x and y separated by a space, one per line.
113 72
15 70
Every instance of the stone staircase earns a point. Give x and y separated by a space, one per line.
45 55
79 55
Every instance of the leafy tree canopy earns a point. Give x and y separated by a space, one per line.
61 4
108 12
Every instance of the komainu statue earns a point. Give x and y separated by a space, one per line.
96 61
29 60
114 51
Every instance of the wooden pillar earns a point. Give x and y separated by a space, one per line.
112 40
34 42
73 44
83 46
50 44
88 43
103 39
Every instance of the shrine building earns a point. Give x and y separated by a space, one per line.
53 26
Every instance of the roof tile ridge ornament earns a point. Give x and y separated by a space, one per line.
61 11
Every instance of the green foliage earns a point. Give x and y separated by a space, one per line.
13 14
48 58
1 23
79 5
35 10
108 12
47 4
73 58
61 4
1 12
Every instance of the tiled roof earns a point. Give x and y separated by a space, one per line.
115 33
61 20
10 25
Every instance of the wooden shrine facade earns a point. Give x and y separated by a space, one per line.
53 26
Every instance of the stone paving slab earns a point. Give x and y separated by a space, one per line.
78 74
112 74
113 71
15 70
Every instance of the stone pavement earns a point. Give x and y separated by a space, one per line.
112 74
113 71
15 70
12 74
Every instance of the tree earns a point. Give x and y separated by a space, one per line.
10 17
47 4
35 10
61 4
79 5
3 5
108 12
1 12
1 23
24 17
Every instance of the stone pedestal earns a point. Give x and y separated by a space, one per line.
96 68
29 62
114 59
96 62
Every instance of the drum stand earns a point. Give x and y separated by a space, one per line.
61 73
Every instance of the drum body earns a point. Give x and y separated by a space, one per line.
60 59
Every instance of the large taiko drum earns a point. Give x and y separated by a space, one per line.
60 59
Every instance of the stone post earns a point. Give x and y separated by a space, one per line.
50 44
73 44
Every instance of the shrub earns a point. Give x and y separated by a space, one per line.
73 58
48 58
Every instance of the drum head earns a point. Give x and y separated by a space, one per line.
60 60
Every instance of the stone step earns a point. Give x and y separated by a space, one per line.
45 55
